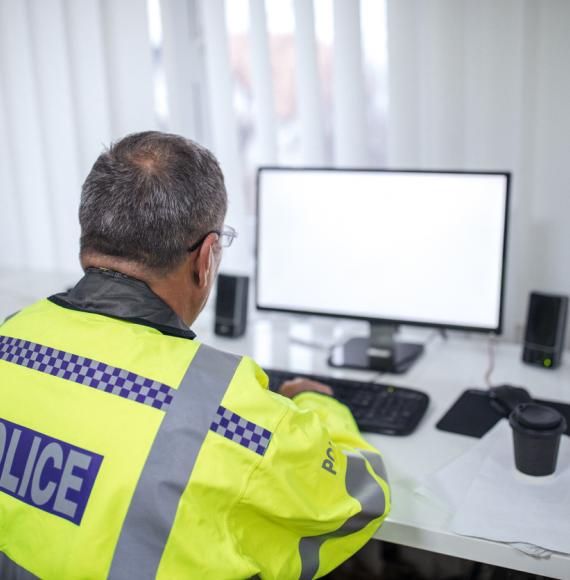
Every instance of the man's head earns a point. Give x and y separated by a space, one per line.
147 199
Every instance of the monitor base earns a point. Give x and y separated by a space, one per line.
359 353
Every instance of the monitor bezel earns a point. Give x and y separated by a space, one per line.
496 330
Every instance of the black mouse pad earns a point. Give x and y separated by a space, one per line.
473 415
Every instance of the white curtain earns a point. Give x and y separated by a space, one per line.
471 85
73 76
486 85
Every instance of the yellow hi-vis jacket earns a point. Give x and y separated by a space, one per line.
131 453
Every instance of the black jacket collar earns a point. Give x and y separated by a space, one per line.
116 295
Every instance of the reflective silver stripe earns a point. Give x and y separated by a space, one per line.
361 486
377 463
9 570
169 465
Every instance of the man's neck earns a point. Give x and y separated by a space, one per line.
172 287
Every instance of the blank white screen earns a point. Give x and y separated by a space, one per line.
410 247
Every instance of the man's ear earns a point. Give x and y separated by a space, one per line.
204 261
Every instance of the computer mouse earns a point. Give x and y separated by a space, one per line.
504 398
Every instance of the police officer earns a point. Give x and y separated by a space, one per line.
130 450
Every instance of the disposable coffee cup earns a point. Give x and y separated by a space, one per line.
536 436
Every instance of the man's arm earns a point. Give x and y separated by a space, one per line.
318 495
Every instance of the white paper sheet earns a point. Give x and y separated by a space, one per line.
490 499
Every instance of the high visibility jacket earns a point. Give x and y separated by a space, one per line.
130 450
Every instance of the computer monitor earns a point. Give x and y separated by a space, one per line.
391 247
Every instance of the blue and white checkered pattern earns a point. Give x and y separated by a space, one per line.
86 371
240 430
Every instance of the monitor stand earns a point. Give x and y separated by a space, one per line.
379 352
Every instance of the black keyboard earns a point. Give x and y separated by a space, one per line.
377 408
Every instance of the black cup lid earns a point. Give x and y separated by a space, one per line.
537 417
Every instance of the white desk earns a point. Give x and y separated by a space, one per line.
444 371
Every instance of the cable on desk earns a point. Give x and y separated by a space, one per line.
491 367
434 334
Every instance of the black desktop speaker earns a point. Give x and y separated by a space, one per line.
231 305
545 328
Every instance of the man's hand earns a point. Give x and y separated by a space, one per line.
298 385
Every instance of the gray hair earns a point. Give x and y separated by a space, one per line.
148 197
